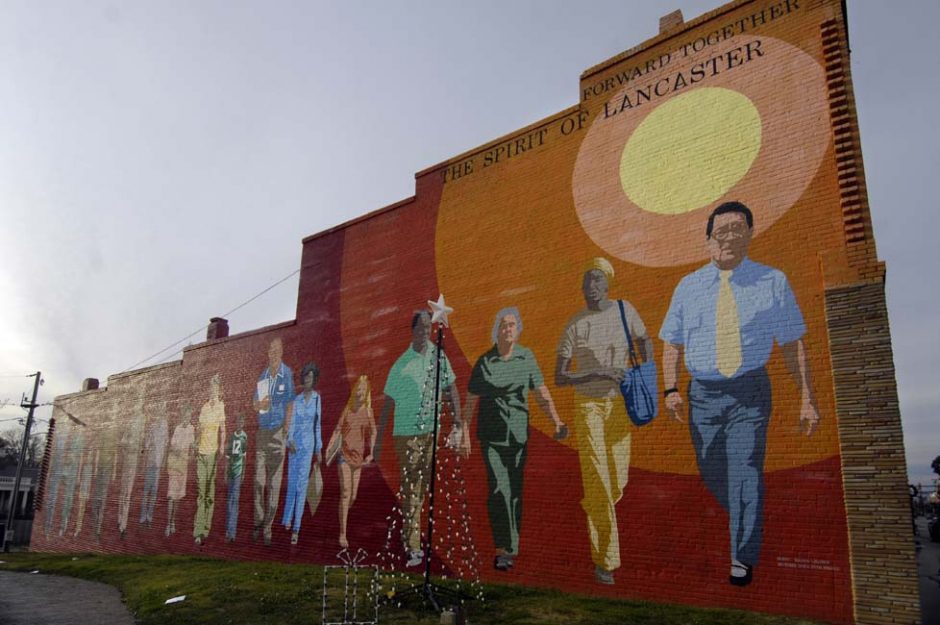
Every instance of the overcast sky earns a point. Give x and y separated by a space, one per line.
160 162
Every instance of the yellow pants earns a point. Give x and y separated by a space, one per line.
604 451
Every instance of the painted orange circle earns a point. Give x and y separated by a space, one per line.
787 87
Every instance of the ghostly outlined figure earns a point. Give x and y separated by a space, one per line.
304 444
273 401
235 453
726 317
500 383
595 342
409 394
73 466
155 442
177 464
211 436
106 470
354 437
87 472
131 441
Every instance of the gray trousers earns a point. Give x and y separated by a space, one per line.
728 420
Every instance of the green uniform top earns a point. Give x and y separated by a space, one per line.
237 450
503 388
410 384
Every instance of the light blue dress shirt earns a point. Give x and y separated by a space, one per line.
767 311
281 394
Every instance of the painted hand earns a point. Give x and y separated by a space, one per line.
674 405
465 445
561 431
809 417
614 373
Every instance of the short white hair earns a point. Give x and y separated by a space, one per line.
509 310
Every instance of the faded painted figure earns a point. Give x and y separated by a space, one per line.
500 383
354 440
177 465
595 342
211 439
86 474
130 449
106 439
409 395
273 401
304 444
726 317
73 465
155 442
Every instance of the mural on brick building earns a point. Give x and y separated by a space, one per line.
696 184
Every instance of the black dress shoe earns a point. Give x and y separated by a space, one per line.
742 580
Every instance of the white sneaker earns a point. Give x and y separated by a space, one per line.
415 558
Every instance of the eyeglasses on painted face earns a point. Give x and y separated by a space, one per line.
731 231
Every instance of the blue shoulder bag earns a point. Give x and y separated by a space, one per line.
640 386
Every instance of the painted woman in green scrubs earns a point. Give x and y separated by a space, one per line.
500 383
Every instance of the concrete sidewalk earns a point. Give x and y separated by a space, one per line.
928 574
36 599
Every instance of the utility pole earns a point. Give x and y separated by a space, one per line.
8 535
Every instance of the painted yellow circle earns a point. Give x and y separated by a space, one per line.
688 152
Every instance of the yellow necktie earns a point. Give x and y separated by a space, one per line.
727 329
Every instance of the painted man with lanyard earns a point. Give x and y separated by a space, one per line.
727 316
274 396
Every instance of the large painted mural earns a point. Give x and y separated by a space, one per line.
681 210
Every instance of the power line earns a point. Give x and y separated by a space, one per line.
202 328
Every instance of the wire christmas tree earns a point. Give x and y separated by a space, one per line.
453 542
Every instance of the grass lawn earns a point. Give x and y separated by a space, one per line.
221 592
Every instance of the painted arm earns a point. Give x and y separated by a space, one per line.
470 409
288 415
453 396
339 428
371 426
564 376
795 355
388 407
544 399
318 433
671 357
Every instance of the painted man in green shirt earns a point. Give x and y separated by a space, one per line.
409 394
500 383
236 451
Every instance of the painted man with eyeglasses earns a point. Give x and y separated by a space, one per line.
726 317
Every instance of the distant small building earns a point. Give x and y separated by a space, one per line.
23 517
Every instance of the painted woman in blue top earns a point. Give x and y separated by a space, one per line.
303 444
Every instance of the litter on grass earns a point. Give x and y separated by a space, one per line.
175 600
